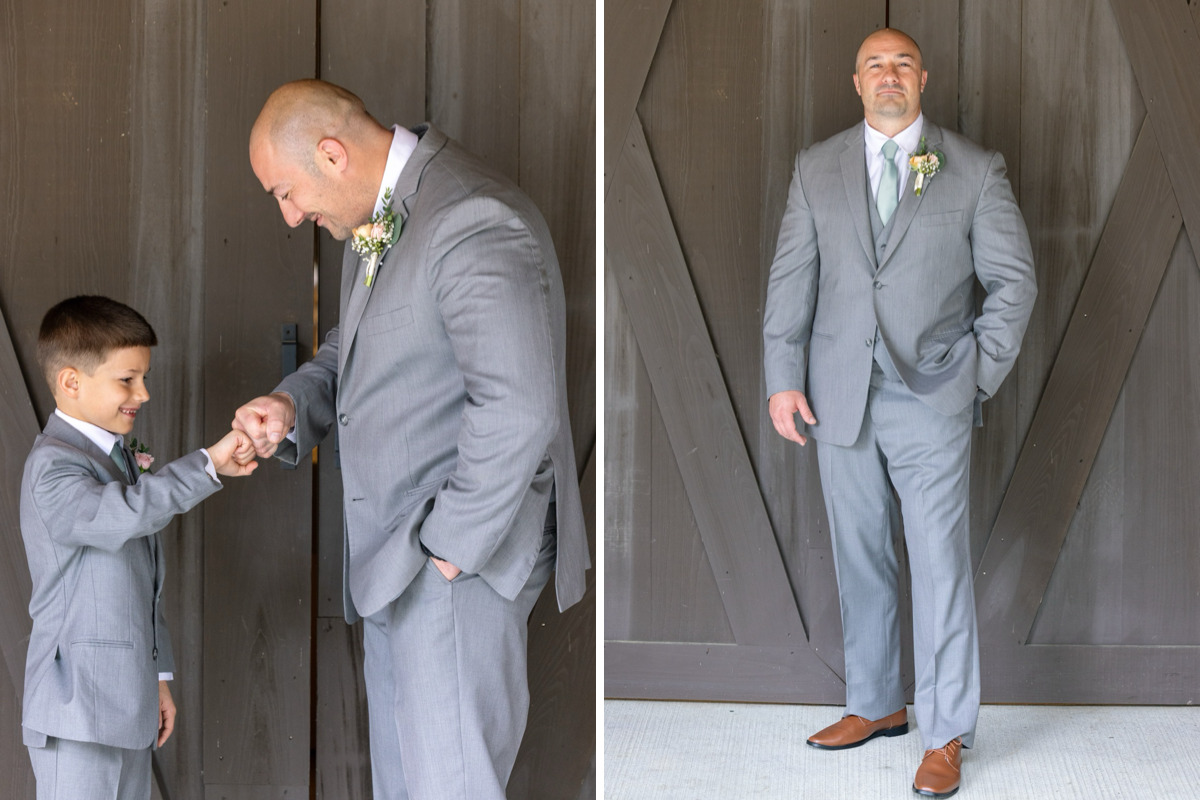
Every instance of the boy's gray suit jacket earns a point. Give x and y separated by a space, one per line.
99 640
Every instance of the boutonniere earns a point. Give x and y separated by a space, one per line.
141 455
926 164
372 239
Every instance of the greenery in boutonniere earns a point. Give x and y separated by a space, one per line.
372 239
926 164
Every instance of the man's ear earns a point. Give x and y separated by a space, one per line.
68 382
857 88
331 155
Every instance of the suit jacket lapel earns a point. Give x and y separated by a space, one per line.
910 202
60 430
854 177
353 266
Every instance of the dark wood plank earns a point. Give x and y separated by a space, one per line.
645 256
628 429
739 673
1089 674
989 111
684 602
343 761
555 761
474 77
1075 144
1075 410
837 31
558 171
258 539
934 24
1162 40
18 429
14 756
1131 580
631 32
245 792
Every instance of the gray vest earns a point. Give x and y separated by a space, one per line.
881 233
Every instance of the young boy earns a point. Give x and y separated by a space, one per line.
96 698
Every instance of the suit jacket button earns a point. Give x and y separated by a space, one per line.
870 342
343 419
878 285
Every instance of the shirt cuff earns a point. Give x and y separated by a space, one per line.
208 465
166 676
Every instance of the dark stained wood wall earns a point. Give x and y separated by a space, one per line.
1083 476
124 172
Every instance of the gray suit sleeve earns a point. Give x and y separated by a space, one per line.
78 510
791 294
313 389
493 291
1004 265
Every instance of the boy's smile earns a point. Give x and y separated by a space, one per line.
111 396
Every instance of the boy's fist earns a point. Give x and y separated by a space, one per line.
233 456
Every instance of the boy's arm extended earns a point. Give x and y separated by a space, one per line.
78 509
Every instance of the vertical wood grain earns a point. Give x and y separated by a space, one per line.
343 762
631 32
1059 452
628 426
474 77
934 24
258 545
837 31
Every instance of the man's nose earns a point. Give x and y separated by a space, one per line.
291 215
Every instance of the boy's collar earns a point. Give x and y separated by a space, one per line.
104 439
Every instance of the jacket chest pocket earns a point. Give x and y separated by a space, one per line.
386 322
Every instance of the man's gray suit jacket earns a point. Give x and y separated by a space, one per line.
446 380
99 640
828 297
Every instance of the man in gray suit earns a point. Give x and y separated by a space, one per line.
871 335
446 380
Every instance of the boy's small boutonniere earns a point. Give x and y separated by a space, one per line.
372 239
141 455
925 164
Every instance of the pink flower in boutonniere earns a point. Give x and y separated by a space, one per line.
926 165
372 239
141 455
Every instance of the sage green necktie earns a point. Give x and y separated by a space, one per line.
889 185
119 457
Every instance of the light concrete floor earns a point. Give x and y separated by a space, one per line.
657 750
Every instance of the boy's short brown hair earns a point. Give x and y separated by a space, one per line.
81 331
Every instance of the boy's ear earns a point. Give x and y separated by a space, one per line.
67 383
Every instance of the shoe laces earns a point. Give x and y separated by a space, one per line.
948 751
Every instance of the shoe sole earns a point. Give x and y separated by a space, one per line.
929 793
898 730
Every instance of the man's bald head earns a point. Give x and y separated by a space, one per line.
315 148
886 35
298 115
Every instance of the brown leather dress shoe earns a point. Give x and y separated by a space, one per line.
941 771
853 730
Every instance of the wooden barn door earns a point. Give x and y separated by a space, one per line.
719 576
124 171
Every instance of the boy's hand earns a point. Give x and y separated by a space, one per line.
166 713
233 456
